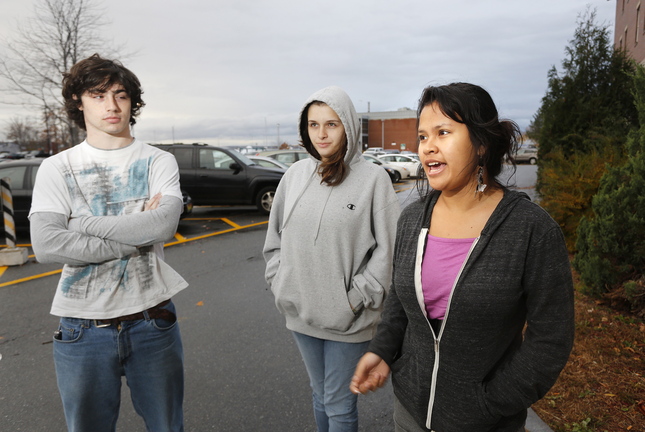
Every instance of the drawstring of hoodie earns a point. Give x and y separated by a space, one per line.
320 217
289 211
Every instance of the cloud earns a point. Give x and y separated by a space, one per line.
230 71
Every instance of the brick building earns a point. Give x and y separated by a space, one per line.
390 130
629 33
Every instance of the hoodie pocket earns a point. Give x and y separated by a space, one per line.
287 297
327 307
460 403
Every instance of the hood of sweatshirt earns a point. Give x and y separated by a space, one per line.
339 101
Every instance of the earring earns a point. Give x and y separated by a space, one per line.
481 186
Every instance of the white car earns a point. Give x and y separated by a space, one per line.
287 157
413 165
400 173
268 162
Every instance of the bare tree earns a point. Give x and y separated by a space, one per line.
61 33
22 132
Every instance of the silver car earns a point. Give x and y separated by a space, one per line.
527 155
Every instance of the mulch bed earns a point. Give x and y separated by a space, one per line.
602 388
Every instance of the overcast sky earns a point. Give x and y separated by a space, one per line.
231 71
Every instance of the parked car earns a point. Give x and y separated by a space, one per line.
287 157
396 173
220 176
527 154
268 162
411 164
12 156
22 175
36 153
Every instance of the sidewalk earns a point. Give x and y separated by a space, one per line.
535 423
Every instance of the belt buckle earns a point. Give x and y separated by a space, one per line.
97 325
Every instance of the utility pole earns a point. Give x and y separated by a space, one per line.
278 134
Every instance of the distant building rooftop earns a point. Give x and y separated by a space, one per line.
401 113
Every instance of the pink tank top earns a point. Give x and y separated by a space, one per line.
442 261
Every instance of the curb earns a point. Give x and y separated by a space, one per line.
535 424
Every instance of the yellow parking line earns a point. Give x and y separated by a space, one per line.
179 237
215 233
231 223
2 270
17 281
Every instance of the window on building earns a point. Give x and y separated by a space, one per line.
638 21
365 135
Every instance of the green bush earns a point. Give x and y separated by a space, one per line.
611 241
568 183
582 123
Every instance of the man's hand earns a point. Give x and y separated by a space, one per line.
152 203
371 374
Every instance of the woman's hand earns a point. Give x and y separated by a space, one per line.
371 374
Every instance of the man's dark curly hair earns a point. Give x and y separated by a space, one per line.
99 74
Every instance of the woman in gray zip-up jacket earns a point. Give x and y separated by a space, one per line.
460 358
329 249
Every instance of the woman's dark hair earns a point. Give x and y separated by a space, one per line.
493 140
333 170
99 74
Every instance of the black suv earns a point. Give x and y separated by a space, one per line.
221 176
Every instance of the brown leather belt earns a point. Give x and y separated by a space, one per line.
153 313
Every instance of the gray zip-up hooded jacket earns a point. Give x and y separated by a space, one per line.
481 372
329 248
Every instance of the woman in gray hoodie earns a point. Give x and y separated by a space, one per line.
479 321
329 249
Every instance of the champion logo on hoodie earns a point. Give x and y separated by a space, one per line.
351 206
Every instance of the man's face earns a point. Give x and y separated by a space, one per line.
107 112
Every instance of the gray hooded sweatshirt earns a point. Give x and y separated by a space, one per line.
329 248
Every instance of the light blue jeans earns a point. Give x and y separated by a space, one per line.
90 362
330 366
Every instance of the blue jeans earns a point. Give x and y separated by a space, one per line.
330 366
91 360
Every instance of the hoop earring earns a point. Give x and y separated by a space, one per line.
481 186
